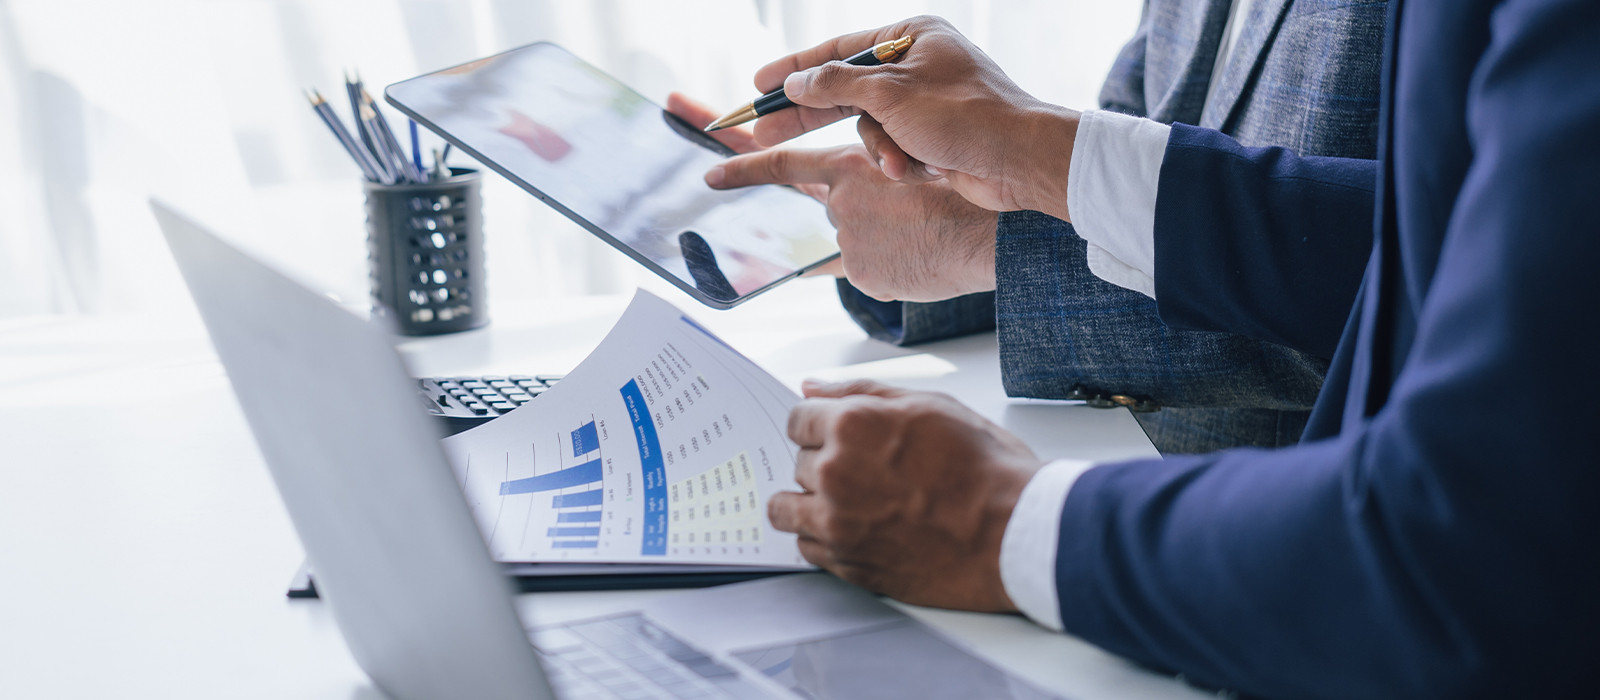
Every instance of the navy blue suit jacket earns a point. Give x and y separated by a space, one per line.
1437 535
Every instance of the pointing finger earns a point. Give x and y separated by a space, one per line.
781 166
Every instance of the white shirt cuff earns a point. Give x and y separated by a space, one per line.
1107 267
1028 548
1111 194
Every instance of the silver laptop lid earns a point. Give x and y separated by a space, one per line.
423 609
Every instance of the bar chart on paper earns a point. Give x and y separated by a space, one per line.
663 447
575 493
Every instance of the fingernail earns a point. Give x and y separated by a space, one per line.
795 85
932 171
715 176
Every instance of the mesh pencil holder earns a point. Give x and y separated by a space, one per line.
425 254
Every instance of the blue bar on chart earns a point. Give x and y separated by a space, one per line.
574 532
574 500
587 516
586 473
655 472
575 544
585 439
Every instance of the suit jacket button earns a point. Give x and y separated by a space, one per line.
1134 404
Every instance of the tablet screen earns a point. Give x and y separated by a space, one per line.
623 167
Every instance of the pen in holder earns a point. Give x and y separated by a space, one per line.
425 253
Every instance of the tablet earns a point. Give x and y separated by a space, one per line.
623 168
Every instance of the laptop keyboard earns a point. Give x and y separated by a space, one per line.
627 657
466 402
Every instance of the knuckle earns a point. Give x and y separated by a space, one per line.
861 420
796 424
833 478
862 386
935 414
828 76
777 163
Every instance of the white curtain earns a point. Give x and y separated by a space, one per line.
105 102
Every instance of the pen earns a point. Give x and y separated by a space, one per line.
776 100
356 151
416 148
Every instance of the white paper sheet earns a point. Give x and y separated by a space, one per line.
664 445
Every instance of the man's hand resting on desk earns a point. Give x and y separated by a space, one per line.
898 241
943 110
907 493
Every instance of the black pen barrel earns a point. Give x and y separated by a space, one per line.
771 102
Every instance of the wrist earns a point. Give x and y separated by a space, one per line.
1000 509
1046 159
979 267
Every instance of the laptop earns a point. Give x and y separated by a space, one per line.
424 610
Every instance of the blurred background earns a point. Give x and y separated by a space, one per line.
106 102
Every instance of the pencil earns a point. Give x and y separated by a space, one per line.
386 138
369 121
369 138
352 90
359 154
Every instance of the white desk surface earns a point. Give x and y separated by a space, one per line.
143 551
